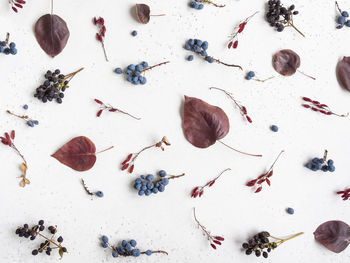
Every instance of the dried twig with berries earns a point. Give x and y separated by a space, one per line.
214 240
129 162
100 22
242 108
345 194
233 38
15 4
108 107
264 178
36 231
199 190
319 107
8 140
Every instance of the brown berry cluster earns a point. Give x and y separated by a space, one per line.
259 244
49 244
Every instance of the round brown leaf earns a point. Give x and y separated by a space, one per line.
334 235
52 34
343 72
143 13
78 154
204 124
286 62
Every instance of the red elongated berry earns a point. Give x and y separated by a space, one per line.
95 21
125 166
102 21
241 27
99 113
235 44
340 192
8 139
244 110
3 140
252 183
13 134
98 36
18 5
268 181
307 99
195 189
261 181
195 194
314 109
258 190
211 183
113 110
270 174
306 106
98 101
20 1
131 169
213 246
217 242
230 44
329 113
219 238
201 193
323 106
261 176
323 111
127 159
316 102
249 119
15 9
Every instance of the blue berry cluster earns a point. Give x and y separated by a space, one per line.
320 164
343 19
32 123
147 185
200 47
197 4
250 75
125 249
133 73
8 48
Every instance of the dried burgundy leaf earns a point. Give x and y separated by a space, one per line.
343 72
52 34
204 124
334 235
143 13
79 154
286 62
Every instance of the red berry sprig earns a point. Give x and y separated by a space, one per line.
199 190
214 240
233 42
107 107
100 22
8 140
316 106
242 108
345 195
264 178
15 4
129 162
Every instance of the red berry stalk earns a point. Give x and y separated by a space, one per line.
199 190
345 195
316 106
15 4
107 107
214 240
8 140
242 108
129 162
233 42
100 22
264 178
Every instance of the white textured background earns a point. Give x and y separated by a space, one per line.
165 221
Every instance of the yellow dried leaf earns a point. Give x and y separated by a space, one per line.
26 181
24 167
22 183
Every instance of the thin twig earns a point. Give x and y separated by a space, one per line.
254 155
151 67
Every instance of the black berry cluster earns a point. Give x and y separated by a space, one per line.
54 86
279 16
37 231
259 245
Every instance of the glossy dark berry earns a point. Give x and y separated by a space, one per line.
41 222
35 252
64 249
60 239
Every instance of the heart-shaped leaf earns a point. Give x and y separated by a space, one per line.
286 62
143 13
52 34
204 124
334 235
343 72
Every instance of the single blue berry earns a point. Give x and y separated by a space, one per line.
196 49
331 168
122 251
345 14
190 58
144 188
209 59
251 74
248 78
7 51
198 42
36 122
139 67
162 173
137 186
150 186
141 192
309 165
193 4
138 181
150 177
290 210
2 49
341 20
129 78
114 254
148 252
330 162
203 53
104 239
313 167
200 6
325 168
205 45
2 43
320 160
190 42
143 80
131 67
119 71
133 243
136 252
165 181
13 51
315 160
161 188
148 192
124 243
25 106
144 64
99 193
318 166
155 190
134 33
30 123
274 128
143 177
187 47
128 247
104 244
12 45
347 23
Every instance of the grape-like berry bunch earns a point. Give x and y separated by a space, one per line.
147 185
343 18
126 249
37 231
281 17
54 86
321 164
8 48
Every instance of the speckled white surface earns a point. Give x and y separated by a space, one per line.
165 221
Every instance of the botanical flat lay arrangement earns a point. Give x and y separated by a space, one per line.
205 130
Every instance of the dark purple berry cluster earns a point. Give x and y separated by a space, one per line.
259 245
279 16
36 232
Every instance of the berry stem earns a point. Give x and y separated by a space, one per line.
157 251
157 65
230 95
212 3
85 187
228 65
254 155
51 7
175 176
306 75
263 80
7 38
275 161
289 238
292 25
25 117
105 150
104 50
19 153
205 231
50 240
337 6
159 15
71 75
